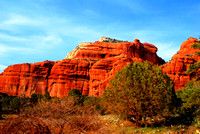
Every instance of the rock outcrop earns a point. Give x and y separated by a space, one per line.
179 63
88 68
25 79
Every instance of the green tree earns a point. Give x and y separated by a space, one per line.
15 104
46 96
193 68
139 91
190 97
35 98
6 102
76 95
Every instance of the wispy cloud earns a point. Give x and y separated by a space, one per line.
11 38
166 51
23 35
2 67
17 19
40 28
6 50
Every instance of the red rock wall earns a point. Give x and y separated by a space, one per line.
90 67
25 79
176 68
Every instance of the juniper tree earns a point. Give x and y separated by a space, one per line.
139 91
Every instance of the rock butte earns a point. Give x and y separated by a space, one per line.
179 63
90 67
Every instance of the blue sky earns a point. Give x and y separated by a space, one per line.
38 30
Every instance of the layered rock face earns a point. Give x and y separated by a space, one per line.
176 68
88 68
25 79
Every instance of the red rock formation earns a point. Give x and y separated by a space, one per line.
88 68
25 79
179 63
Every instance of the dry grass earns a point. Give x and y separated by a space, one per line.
23 124
58 116
62 116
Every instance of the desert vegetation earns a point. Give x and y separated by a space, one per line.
140 99
140 92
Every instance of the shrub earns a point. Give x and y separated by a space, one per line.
35 98
139 91
190 97
74 93
62 116
46 96
77 96
195 46
24 124
15 104
197 53
193 68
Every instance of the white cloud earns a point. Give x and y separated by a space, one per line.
2 67
6 50
11 38
17 19
53 27
166 51
29 45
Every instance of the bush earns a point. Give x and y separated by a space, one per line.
195 46
15 104
77 96
35 98
193 68
138 92
24 124
62 116
190 97
74 93
46 96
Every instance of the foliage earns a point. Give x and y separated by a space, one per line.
77 96
8 104
139 91
24 124
38 97
193 67
190 97
15 104
35 98
189 55
197 53
195 45
74 93
46 96
94 104
62 116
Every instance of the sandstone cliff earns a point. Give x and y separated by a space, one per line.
88 68
176 68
